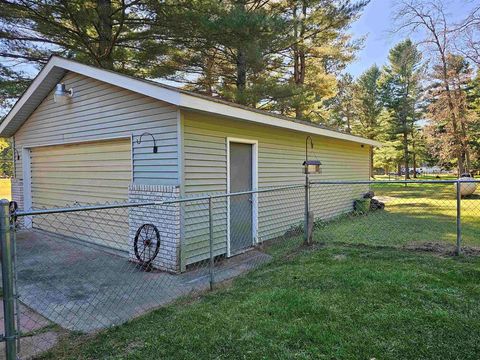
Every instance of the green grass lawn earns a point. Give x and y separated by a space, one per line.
359 294
338 302
419 177
414 214
5 189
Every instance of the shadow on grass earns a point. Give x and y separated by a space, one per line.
472 197
417 205
432 192
403 224
398 228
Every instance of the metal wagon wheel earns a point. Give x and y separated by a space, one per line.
13 207
146 244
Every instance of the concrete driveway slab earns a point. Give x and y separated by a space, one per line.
85 288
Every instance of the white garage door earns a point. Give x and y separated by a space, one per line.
86 173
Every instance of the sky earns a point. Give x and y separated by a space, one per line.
376 22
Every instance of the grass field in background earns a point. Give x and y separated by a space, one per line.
419 177
5 189
414 214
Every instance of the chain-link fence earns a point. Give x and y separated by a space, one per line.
84 268
420 215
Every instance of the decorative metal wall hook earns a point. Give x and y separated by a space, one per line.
306 146
16 154
310 166
155 147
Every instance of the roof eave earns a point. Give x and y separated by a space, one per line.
6 130
193 103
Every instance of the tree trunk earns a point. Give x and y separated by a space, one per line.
241 64
466 152
300 80
372 175
468 166
105 34
414 164
460 168
451 108
299 57
209 73
405 155
414 157
241 74
349 128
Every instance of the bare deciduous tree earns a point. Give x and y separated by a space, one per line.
467 36
430 19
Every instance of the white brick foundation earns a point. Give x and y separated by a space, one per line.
166 218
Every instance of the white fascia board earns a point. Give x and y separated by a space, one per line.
195 103
26 95
110 77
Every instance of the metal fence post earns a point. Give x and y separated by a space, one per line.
7 281
307 209
458 248
212 259
309 218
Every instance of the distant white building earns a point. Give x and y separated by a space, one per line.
432 170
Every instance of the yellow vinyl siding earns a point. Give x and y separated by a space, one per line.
280 156
100 111
84 173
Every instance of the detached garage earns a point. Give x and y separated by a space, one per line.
115 138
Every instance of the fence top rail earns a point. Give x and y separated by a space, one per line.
151 203
228 195
369 182
82 208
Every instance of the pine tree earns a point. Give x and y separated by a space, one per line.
368 106
342 105
451 139
320 48
473 103
401 84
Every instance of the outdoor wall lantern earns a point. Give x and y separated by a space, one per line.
61 94
155 147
